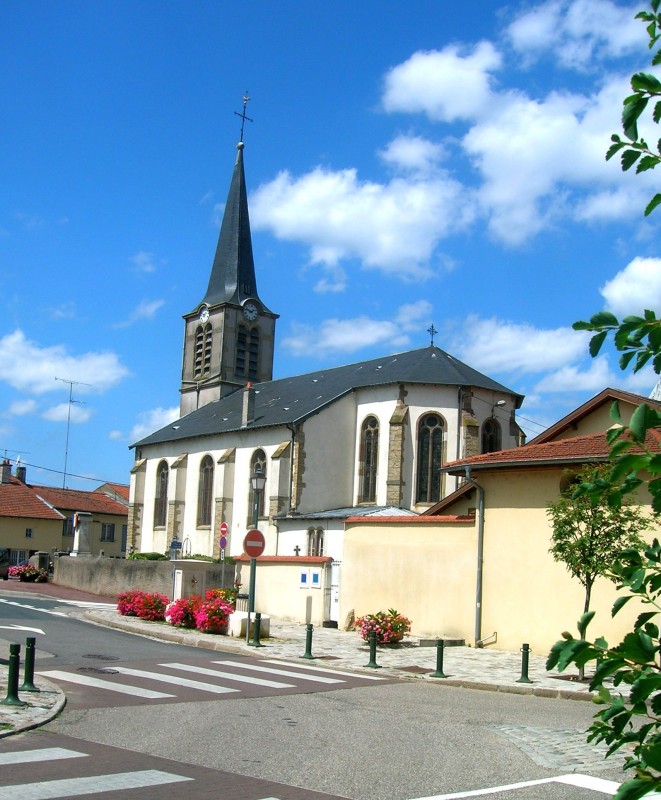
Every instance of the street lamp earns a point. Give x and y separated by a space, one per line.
258 481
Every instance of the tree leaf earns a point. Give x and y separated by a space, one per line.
596 342
653 203
629 158
633 107
645 82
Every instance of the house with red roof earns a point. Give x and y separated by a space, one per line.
37 518
476 565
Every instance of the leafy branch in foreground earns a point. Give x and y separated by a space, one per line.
633 148
631 718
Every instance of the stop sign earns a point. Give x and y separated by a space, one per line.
254 543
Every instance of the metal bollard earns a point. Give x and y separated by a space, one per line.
256 631
12 698
440 645
372 662
308 641
525 655
28 675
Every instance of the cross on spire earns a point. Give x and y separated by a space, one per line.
431 330
243 114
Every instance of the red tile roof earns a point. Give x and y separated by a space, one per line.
19 500
121 489
579 449
78 500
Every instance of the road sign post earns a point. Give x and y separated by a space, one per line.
253 546
223 545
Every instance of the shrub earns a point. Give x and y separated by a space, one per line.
229 595
148 557
390 626
28 573
181 613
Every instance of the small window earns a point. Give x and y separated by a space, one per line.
28 533
67 527
315 542
491 436
107 531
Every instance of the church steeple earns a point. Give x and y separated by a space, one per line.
229 336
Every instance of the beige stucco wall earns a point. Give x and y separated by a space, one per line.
527 596
278 590
46 534
425 571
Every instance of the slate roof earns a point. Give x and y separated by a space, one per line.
292 400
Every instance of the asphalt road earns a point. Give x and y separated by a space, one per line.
400 740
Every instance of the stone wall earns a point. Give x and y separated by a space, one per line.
110 576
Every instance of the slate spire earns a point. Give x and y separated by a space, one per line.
233 271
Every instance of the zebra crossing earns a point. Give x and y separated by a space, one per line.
74 768
172 681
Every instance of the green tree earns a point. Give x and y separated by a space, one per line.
589 531
633 149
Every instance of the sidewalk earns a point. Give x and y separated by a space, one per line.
466 667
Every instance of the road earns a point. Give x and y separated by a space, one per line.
367 740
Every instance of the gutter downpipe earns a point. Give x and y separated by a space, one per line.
480 556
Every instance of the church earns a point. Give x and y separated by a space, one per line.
363 439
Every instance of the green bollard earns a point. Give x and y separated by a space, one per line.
372 663
256 631
28 676
12 698
440 645
308 641
525 654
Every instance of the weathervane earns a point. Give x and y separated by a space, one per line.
243 115
431 330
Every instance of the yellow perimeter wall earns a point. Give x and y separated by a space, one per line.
427 571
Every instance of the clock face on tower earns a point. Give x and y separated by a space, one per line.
204 314
250 312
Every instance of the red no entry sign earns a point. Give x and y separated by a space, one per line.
254 543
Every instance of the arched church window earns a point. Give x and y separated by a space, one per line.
203 339
258 461
161 495
430 458
369 455
491 436
315 541
205 491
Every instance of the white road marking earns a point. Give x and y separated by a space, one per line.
44 754
84 603
21 628
284 673
86 680
75 787
33 608
157 676
321 669
230 676
581 781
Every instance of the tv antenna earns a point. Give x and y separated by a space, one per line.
71 400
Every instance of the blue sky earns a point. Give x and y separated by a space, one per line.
407 164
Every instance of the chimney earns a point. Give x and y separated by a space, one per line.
248 413
6 471
21 474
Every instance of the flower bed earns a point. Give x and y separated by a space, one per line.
28 573
389 626
210 614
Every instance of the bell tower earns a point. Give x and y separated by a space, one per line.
229 335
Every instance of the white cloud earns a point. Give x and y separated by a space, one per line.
63 412
393 227
143 261
571 378
21 408
339 336
26 366
496 346
413 153
153 420
446 85
635 288
145 310
579 33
